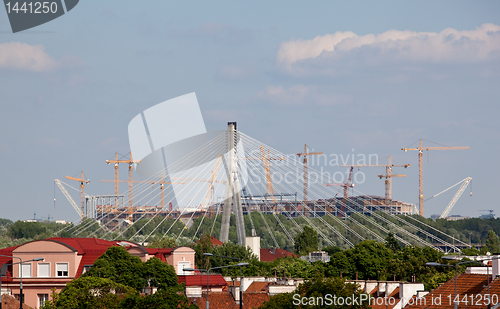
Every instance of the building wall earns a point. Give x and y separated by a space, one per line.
53 253
181 256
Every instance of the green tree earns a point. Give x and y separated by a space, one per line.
306 242
493 243
22 229
310 291
159 274
120 266
90 292
392 243
370 259
165 242
204 245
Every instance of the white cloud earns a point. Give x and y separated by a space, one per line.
344 48
301 94
25 57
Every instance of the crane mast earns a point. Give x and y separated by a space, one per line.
388 175
82 192
421 172
306 175
130 163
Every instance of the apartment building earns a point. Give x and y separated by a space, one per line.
65 259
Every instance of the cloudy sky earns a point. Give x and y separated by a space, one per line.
363 77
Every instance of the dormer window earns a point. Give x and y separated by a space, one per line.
62 270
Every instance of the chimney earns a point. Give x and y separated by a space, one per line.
495 265
253 242
235 291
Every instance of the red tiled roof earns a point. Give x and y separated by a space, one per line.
215 241
266 255
90 249
225 300
86 245
254 300
467 284
159 252
201 280
257 287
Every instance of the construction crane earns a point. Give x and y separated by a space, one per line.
266 158
346 187
306 175
70 199
130 163
455 198
82 192
388 175
420 169
209 198
348 184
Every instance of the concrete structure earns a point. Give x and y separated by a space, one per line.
253 242
316 256
233 189
68 258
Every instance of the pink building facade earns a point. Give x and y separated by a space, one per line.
66 259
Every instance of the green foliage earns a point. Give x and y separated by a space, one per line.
493 243
22 229
159 274
204 245
5 222
392 243
331 250
236 254
311 290
90 292
471 251
165 299
165 242
306 242
121 267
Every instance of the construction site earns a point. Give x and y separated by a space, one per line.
225 177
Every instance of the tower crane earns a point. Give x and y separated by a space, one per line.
306 175
210 195
388 175
420 169
267 168
82 192
346 187
130 163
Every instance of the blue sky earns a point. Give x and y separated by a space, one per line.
369 76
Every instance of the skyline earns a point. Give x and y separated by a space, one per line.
344 78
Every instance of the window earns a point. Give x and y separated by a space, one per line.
43 270
42 298
25 270
61 269
86 268
180 267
